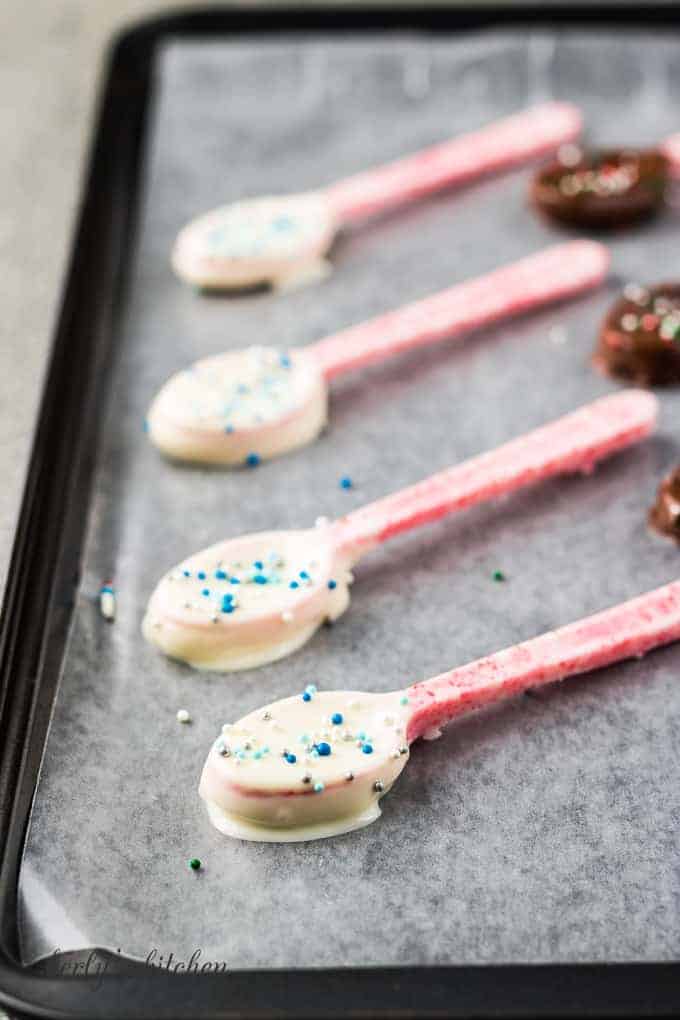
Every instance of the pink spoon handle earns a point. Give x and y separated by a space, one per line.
550 275
572 443
504 143
671 150
621 632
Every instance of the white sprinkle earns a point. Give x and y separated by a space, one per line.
569 154
558 336
107 602
183 716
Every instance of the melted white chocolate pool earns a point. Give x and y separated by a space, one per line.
240 407
276 239
249 600
307 767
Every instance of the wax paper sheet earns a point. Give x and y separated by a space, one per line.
545 829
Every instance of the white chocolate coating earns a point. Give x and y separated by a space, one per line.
348 750
259 240
254 403
248 601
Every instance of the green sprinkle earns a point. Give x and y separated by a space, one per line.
403 701
195 864
498 575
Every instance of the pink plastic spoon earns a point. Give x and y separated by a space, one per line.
260 402
254 599
317 764
283 239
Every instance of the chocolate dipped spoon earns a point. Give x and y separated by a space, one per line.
606 188
259 402
639 340
283 239
257 598
317 764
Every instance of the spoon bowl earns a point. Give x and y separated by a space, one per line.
306 767
240 407
273 239
248 600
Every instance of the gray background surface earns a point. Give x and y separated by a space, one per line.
542 830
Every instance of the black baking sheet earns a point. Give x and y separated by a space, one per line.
541 831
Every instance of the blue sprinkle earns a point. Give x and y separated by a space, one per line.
336 718
258 564
234 580
227 604
332 585
304 575
220 575
187 573
284 361
345 482
145 425
294 584
367 748
257 755
229 429
306 696
323 748
318 787
201 575
290 758
253 459
206 592
403 701
260 579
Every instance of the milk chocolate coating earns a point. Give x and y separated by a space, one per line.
604 189
640 338
664 516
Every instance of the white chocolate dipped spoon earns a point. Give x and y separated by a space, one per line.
283 239
317 764
257 403
254 599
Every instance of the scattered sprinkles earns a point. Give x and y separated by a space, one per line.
346 482
183 716
194 864
498 575
252 460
